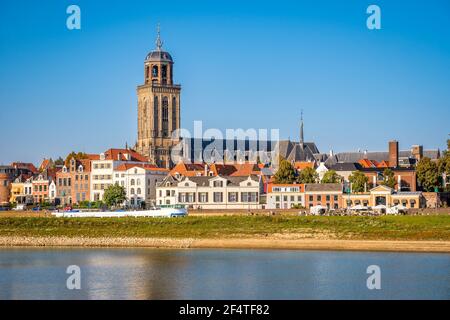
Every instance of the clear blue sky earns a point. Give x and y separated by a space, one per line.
241 64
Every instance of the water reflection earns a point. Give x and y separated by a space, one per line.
220 274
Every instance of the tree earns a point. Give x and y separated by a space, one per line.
389 178
114 195
331 177
358 181
308 175
427 174
285 173
59 162
77 156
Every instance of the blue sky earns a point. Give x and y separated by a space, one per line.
241 64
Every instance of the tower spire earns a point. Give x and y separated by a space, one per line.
301 129
158 41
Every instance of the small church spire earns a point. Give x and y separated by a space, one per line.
158 41
301 129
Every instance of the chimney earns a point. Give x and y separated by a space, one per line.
206 170
417 152
119 156
393 154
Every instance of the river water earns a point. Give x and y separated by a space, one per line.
220 274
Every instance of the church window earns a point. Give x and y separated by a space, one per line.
154 71
165 116
155 114
174 113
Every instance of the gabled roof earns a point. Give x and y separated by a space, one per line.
300 165
382 188
345 166
119 155
146 166
231 181
25 165
315 187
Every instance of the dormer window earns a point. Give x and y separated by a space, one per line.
218 184
64 169
80 168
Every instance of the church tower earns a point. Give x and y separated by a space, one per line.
158 107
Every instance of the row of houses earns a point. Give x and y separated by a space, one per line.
214 185
85 179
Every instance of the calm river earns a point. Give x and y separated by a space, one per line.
220 274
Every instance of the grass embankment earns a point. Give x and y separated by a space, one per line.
224 227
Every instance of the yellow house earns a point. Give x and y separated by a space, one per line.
17 190
383 195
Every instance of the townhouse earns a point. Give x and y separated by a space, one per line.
383 195
102 169
211 192
139 181
285 196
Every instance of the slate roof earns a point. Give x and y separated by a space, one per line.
315 187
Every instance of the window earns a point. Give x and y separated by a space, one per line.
165 116
218 184
299 198
311 198
218 197
132 191
132 182
203 197
155 115
328 198
335 198
154 71
232 197
292 198
174 113
138 191
138 182
319 198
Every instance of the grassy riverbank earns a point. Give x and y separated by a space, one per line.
234 227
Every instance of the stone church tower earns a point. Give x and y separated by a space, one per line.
158 107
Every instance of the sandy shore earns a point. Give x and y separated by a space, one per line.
231 243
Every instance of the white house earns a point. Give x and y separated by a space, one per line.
218 192
102 169
139 181
321 170
52 191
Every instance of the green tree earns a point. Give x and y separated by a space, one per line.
285 173
331 177
389 178
358 181
427 174
114 195
77 156
308 175
59 161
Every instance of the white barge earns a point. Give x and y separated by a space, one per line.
168 212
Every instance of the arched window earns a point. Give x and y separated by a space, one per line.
155 115
138 182
174 113
165 117
132 191
154 71
138 191
132 182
